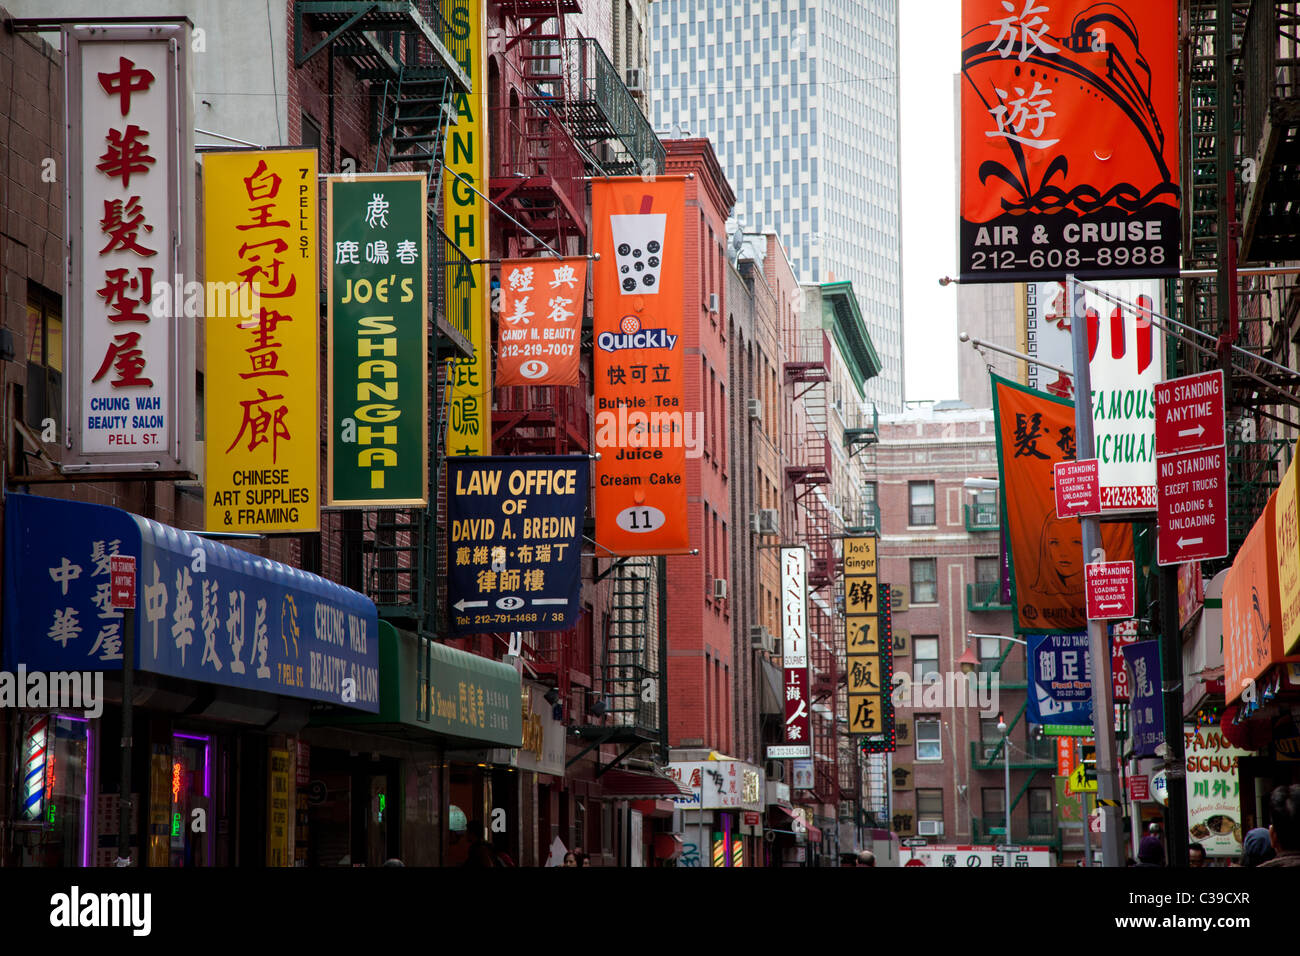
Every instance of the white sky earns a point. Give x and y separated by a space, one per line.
930 52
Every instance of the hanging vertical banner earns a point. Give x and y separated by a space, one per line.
128 345
540 332
514 530
1143 662
862 648
1060 679
794 654
640 427
469 429
1069 112
1252 636
886 741
1213 791
377 451
262 378
1035 431
1287 534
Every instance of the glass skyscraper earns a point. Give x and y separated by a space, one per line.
800 99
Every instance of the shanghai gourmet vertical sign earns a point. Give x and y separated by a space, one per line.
128 358
378 446
469 431
639 365
794 651
262 456
1069 146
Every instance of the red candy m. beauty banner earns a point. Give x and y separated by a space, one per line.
540 336
639 384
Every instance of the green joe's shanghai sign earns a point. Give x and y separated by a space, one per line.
378 446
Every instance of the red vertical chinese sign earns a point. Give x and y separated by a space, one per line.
540 338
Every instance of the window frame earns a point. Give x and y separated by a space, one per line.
913 564
913 505
917 724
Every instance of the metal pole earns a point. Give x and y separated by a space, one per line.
1171 652
1006 783
128 731
1103 720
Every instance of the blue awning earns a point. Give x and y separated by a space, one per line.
204 611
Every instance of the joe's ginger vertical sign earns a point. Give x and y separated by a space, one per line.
639 366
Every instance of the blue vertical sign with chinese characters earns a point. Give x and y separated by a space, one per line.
1060 688
205 611
1143 660
515 539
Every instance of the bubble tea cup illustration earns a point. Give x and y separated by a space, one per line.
639 249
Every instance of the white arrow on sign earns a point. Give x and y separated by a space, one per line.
1116 604
1198 431
1184 542
550 601
462 604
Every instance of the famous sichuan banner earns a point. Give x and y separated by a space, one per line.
1035 431
638 365
377 281
540 335
262 455
1069 160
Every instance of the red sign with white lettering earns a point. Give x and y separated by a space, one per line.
1139 787
1192 513
1078 488
1109 590
1122 635
121 571
1189 413
1064 756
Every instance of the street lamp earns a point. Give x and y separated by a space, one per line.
1003 728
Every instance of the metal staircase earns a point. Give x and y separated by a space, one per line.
632 647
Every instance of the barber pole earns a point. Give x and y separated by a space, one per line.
35 759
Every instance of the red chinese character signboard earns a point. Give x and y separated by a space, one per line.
540 336
1109 590
121 571
129 352
1122 635
1078 488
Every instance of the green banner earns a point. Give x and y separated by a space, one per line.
378 440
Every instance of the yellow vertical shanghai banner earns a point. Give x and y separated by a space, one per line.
262 378
469 430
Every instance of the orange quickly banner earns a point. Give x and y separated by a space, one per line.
1035 431
639 292
540 336
1069 139
1252 612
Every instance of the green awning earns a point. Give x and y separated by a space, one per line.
475 701
842 315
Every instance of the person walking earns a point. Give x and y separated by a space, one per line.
1284 826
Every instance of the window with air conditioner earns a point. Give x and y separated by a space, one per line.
990 738
929 812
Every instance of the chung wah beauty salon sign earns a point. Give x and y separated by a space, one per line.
128 359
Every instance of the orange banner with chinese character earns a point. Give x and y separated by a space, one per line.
1035 431
262 377
638 365
539 340
1069 142
1252 614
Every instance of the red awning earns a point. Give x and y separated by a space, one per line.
814 833
635 785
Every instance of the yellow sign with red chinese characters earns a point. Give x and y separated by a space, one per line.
262 379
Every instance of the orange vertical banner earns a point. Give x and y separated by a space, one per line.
1252 612
1035 431
540 336
639 292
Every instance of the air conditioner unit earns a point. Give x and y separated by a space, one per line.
761 639
713 303
634 82
719 589
765 521
775 770
755 407
930 827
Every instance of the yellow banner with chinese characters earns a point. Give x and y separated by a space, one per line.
262 376
469 430
1287 533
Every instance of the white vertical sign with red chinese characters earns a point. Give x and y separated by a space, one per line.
129 354
794 650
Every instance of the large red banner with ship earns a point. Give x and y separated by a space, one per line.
1069 113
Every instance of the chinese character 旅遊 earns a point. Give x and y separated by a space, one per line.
122 223
126 154
65 627
1015 113
127 80
1021 33
121 306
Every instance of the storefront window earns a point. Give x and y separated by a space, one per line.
191 790
53 811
